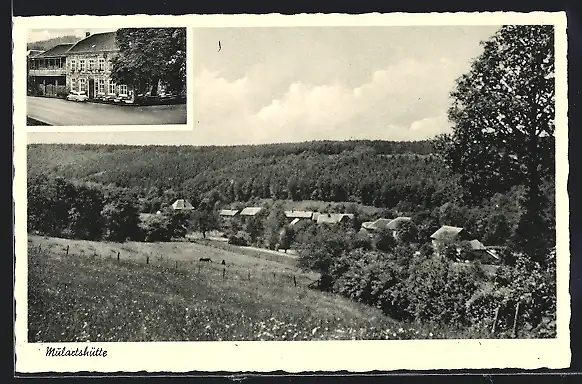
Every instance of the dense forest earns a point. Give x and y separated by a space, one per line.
50 43
404 178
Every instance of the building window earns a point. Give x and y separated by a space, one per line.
81 65
82 85
101 64
101 86
73 87
73 65
91 64
123 89
111 87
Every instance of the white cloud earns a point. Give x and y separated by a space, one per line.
405 101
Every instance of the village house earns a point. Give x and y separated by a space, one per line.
182 205
384 224
296 216
227 213
466 246
47 70
334 218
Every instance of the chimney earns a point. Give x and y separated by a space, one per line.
87 34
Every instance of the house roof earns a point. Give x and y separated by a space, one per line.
315 215
368 225
333 218
476 245
33 52
182 204
228 212
393 224
299 214
447 233
59 50
97 42
295 221
251 211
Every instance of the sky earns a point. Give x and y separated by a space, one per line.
35 35
292 84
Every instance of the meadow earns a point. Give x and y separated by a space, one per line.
88 295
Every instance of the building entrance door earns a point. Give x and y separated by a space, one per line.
91 90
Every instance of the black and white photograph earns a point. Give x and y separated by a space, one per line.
340 183
94 77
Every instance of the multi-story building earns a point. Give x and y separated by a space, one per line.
48 70
89 68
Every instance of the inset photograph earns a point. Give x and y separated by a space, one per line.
127 76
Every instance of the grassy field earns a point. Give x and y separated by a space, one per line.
88 295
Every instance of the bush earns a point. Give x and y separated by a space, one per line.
241 238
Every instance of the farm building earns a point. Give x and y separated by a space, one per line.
251 211
227 213
182 205
382 223
460 238
298 214
334 218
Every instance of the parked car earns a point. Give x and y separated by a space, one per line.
77 96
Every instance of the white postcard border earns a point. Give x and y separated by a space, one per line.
353 356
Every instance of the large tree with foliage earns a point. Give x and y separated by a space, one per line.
503 125
147 55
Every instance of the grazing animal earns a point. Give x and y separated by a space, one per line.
223 262
207 259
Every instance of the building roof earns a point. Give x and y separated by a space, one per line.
251 211
182 204
299 214
228 212
33 52
368 225
59 50
476 245
97 42
295 221
333 218
393 224
448 233
315 215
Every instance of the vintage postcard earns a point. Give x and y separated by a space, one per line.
351 193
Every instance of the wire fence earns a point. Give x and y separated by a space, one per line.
209 267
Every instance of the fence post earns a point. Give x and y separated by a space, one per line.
495 320
249 275
176 264
117 255
294 281
223 273
39 247
147 260
515 320
67 251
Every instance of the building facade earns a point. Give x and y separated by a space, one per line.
89 64
47 71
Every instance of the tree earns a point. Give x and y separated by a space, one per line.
503 124
286 238
205 218
274 222
407 232
147 55
384 240
121 218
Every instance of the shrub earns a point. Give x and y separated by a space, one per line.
241 238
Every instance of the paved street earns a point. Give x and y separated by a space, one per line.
63 112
